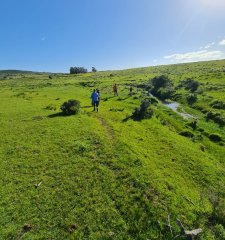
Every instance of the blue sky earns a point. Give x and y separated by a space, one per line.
52 35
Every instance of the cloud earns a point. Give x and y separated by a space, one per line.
222 43
195 56
209 45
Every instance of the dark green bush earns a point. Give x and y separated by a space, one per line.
161 87
191 99
215 137
186 133
216 117
165 93
190 84
217 104
153 100
70 107
193 124
143 112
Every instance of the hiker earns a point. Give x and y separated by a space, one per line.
97 90
92 102
95 100
131 88
115 90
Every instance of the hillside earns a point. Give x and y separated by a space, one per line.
103 175
10 74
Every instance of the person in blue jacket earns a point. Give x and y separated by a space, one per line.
95 100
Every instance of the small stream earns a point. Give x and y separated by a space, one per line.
174 106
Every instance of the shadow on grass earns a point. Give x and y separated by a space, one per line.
127 118
87 106
59 114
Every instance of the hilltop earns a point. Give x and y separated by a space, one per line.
107 175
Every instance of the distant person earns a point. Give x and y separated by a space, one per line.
131 88
95 100
99 97
92 102
115 90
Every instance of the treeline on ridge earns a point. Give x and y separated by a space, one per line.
78 70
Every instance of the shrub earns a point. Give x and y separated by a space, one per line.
161 81
217 104
193 124
50 107
190 84
143 112
216 117
202 147
153 100
161 87
218 209
219 231
165 93
186 133
215 137
191 99
70 107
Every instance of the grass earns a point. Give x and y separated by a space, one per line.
96 176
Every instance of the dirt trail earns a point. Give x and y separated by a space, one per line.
108 129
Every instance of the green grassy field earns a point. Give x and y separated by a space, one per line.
103 175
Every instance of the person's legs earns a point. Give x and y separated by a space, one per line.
97 104
94 105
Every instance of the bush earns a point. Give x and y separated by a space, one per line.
219 232
165 93
216 117
153 100
215 137
143 112
70 107
162 87
191 99
186 133
193 124
161 81
217 104
50 107
190 84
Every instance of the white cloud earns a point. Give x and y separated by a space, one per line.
222 42
196 56
209 45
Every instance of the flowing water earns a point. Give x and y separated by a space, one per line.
174 106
